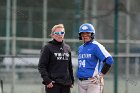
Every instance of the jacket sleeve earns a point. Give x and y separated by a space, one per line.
71 69
43 65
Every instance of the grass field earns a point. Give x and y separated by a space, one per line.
134 86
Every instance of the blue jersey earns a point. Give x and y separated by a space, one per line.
90 59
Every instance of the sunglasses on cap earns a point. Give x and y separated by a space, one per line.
59 33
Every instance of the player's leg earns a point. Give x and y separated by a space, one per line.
95 88
82 86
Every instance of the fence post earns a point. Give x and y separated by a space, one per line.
136 67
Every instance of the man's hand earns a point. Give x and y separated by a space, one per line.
50 85
71 86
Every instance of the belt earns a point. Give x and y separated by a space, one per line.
81 79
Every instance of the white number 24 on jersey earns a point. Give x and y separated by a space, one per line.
82 63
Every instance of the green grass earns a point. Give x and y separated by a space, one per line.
134 86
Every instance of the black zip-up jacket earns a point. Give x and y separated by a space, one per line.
55 63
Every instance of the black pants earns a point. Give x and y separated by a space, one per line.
57 88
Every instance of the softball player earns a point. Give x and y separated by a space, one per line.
94 61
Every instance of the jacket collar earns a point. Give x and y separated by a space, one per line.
56 42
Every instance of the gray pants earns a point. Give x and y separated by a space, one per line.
87 86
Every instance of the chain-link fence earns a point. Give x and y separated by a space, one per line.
25 27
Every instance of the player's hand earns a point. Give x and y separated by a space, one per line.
101 75
101 78
95 79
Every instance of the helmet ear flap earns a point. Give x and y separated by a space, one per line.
92 36
80 38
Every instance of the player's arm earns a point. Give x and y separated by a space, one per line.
107 64
105 57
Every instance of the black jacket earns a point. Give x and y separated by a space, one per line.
55 63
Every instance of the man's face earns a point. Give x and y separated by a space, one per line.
86 36
58 34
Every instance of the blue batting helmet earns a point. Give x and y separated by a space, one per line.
86 27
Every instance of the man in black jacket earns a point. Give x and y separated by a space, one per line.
55 64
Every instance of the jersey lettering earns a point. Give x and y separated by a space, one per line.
82 63
84 56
